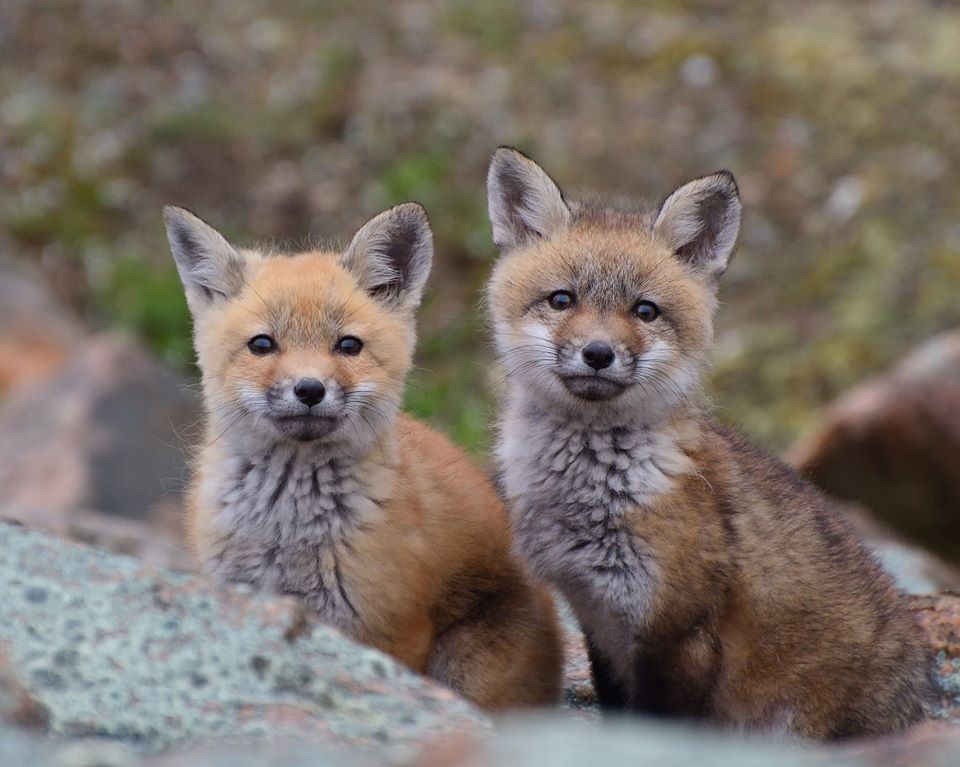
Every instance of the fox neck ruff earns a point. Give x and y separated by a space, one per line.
289 514
571 486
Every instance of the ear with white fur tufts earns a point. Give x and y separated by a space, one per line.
700 222
210 269
525 204
391 255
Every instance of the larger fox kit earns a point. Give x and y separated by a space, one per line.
312 483
709 580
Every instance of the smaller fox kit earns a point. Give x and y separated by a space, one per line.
312 483
709 580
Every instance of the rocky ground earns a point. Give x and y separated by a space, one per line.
838 120
118 660
111 648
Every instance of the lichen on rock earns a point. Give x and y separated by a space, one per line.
120 650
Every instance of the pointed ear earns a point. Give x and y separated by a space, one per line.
391 255
525 204
700 222
210 269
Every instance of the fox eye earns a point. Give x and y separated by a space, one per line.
349 345
261 344
646 310
560 300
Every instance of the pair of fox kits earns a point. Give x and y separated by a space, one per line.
710 582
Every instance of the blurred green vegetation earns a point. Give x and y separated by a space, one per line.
839 120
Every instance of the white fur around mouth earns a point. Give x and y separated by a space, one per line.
305 428
592 387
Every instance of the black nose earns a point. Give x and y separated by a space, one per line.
598 355
309 391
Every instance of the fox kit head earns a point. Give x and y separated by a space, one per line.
599 312
311 347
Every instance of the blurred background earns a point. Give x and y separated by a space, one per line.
294 125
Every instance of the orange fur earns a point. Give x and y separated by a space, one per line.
425 567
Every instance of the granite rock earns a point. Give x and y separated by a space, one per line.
117 649
151 543
130 664
939 614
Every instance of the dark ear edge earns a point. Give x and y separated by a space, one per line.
524 202
700 222
209 267
391 255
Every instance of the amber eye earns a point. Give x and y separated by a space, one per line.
349 345
646 311
261 344
560 300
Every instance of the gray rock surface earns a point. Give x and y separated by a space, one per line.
117 649
916 571
523 742
104 432
130 664
21 747
555 743
151 543
24 749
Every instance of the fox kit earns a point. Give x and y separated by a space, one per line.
312 483
709 580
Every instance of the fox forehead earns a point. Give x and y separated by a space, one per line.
606 266
306 299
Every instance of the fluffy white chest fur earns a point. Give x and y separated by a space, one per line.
287 518
571 488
